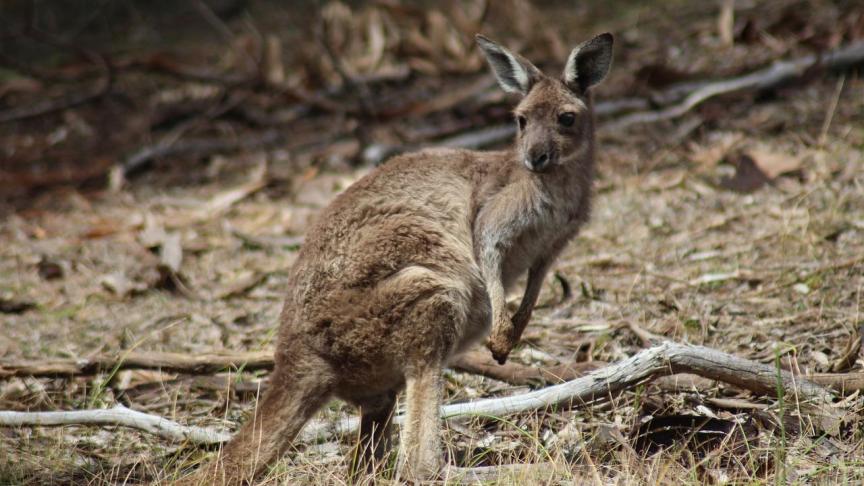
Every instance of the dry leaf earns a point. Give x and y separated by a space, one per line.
244 283
773 163
153 233
119 284
747 178
757 167
129 379
171 252
708 156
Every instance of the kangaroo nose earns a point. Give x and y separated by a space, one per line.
538 161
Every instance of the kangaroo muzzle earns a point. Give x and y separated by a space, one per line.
538 160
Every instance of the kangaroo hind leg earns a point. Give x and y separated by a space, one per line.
376 416
421 432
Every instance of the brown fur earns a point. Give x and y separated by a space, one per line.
407 268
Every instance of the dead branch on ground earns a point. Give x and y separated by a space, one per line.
474 362
200 147
663 360
192 363
766 78
99 89
118 415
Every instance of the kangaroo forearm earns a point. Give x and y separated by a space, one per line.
536 276
498 301
506 333
491 261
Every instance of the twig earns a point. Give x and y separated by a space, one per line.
566 288
348 78
160 63
118 415
829 114
770 77
102 86
211 18
200 147
647 337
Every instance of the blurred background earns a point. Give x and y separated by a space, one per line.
145 87
160 162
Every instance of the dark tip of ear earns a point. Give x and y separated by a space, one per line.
483 40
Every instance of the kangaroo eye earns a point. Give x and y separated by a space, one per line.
567 118
521 121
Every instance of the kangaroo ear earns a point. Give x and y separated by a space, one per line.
514 73
588 63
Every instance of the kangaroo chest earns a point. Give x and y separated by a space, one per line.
538 241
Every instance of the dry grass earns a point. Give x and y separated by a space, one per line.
776 276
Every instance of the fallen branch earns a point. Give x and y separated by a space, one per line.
844 383
673 102
663 360
99 89
770 77
200 147
192 363
475 362
102 86
119 415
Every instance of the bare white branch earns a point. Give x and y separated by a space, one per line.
118 415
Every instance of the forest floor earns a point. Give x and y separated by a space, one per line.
738 226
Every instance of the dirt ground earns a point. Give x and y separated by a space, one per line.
685 242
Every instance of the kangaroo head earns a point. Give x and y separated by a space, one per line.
554 118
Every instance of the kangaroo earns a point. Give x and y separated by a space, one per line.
410 266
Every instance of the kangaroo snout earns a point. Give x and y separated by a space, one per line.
539 159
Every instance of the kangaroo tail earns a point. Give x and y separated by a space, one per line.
291 400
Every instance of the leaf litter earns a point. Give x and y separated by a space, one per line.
713 243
